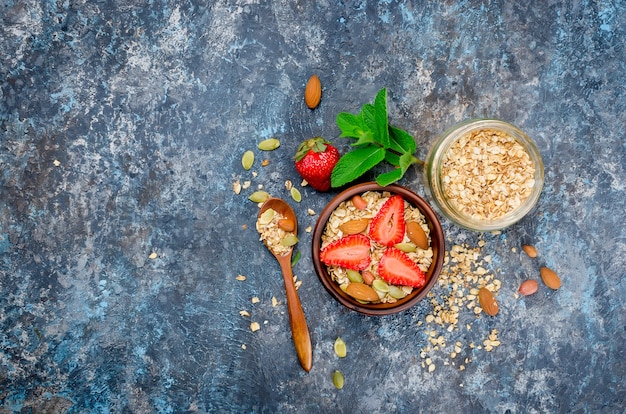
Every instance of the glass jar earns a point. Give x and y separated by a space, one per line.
437 182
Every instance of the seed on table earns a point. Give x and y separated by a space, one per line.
259 196
247 160
269 144
295 194
338 379
340 347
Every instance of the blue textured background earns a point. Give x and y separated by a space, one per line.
122 126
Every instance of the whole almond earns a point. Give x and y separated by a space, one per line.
368 277
528 287
355 226
487 301
531 251
313 92
362 292
550 278
286 225
359 202
417 235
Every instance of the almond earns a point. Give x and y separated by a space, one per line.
355 226
286 225
530 250
417 235
487 301
550 278
528 287
362 292
313 92
368 277
359 202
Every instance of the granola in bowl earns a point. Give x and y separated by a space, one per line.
378 250
344 214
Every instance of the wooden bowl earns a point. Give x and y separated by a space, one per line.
437 244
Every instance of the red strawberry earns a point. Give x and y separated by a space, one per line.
315 160
387 226
398 269
350 252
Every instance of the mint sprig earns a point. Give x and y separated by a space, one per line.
375 141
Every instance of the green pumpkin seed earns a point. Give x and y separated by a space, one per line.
396 292
340 348
267 216
406 247
354 276
247 160
259 196
380 285
269 144
295 194
289 240
338 379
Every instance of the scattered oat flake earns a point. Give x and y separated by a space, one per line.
254 326
311 212
56 163
304 183
153 255
243 346
244 313
275 302
255 299
309 229
237 187
241 278
246 184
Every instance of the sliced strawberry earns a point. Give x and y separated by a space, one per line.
350 252
398 269
387 227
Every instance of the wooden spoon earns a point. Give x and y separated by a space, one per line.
299 328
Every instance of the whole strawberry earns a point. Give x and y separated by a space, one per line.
315 160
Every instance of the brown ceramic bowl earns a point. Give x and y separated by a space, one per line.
437 244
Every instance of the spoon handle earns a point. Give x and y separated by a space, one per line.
299 328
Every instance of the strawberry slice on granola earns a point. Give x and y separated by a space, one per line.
350 252
398 269
387 226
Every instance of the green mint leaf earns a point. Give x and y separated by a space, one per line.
350 125
392 158
382 121
355 163
365 139
401 140
404 161
390 177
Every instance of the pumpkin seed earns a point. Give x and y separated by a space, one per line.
267 216
295 194
247 160
380 285
269 144
406 247
289 240
259 196
340 348
354 276
338 379
396 292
